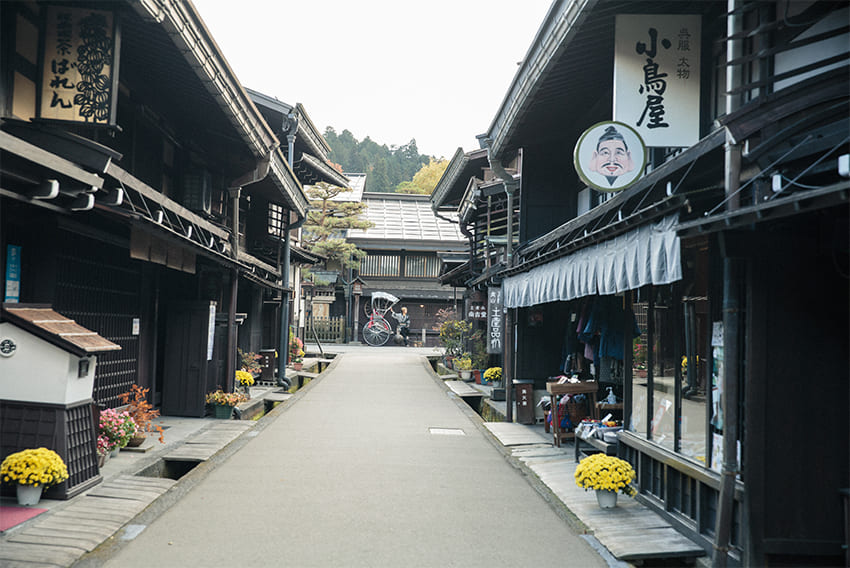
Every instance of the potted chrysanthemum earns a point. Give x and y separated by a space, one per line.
493 376
606 475
223 402
33 470
245 379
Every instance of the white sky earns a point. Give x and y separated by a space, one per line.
392 70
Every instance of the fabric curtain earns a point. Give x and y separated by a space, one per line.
650 254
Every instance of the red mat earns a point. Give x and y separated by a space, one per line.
12 516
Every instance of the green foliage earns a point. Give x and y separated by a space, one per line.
425 179
452 331
327 221
386 167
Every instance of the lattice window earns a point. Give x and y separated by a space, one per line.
380 265
421 266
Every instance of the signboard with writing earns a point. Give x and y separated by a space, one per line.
656 77
477 311
13 274
494 320
78 81
609 156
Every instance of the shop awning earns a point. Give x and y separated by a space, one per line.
649 254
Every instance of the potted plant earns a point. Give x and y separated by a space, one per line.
606 475
117 427
250 362
452 331
142 413
493 376
245 379
223 402
33 470
104 446
464 366
296 351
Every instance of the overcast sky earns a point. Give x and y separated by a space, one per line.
392 70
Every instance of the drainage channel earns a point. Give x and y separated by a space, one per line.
168 469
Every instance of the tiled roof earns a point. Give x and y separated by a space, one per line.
57 329
405 217
357 183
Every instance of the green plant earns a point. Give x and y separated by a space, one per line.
296 348
479 350
452 331
34 467
141 411
225 398
250 361
464 363
601 472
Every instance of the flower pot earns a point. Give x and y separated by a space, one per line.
29 495
298 366
606 498
137 440
223 411
465 375
113 453
101 460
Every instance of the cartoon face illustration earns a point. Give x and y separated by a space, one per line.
612 157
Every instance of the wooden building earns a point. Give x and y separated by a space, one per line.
728 251
143 194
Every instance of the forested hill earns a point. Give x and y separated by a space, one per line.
386 167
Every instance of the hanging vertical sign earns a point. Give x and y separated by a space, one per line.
13 274
657 77
78 78
211 332
494 320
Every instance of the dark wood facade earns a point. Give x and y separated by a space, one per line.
167 202
736 291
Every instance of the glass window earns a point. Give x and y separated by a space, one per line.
671 375
640 374
663 363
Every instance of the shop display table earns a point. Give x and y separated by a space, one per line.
558 390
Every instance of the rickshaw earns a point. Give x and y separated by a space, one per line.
377 330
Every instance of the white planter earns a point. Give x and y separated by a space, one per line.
29 495
606 498
465 375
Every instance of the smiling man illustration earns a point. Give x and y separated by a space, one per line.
612 157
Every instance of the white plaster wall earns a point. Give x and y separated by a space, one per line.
40 371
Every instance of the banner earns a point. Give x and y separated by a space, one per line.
657 77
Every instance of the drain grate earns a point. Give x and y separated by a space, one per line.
447 431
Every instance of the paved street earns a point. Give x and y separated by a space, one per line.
372 465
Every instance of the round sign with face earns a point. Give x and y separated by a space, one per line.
610 156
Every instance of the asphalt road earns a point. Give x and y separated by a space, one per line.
353 473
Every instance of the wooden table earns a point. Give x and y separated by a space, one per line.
557 390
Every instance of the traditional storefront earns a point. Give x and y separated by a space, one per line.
710 292
135 212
